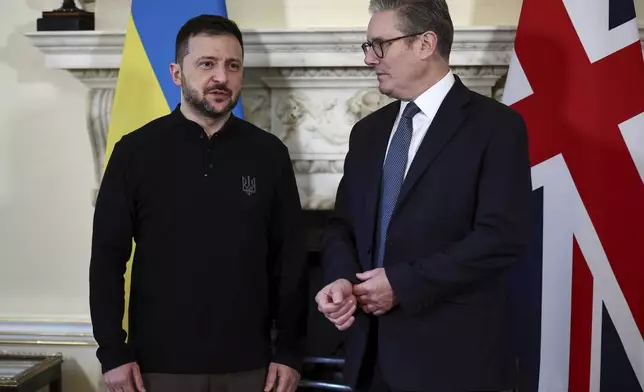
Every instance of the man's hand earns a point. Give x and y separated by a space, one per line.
125 378
287 379
337 302
375 294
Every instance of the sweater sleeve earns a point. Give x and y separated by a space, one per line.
111 249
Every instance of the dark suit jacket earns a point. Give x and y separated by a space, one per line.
462 219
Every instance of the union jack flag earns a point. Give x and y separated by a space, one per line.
577 77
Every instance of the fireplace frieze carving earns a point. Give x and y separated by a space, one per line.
306 87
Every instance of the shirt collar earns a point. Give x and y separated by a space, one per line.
186 125
430 100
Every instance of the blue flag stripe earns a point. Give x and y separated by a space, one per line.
620 12
616 371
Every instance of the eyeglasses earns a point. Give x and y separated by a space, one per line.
378 46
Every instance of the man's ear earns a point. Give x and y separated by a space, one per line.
428 44
175 73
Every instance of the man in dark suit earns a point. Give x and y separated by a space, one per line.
432 211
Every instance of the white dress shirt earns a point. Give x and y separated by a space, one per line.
428 103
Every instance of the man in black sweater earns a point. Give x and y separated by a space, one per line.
211 202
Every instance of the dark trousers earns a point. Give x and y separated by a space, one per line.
250 381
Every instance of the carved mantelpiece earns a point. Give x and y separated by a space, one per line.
307 87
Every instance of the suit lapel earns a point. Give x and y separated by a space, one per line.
446 123
381 131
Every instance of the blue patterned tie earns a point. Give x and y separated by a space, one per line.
393 174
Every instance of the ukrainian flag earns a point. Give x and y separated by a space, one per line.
144 90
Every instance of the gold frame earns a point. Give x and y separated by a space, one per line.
46 361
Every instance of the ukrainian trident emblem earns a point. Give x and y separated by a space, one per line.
248 185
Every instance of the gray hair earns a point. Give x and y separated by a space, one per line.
416 16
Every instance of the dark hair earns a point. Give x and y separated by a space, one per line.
416 16
204 24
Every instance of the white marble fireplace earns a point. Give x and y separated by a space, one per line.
307 87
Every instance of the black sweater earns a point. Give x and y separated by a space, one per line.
219 250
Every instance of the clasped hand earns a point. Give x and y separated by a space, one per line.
339 300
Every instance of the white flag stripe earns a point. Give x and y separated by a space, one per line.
633 134
517 86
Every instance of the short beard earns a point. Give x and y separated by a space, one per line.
202 105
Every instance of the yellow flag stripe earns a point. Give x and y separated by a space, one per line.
138 100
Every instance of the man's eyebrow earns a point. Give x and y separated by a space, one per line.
214 58
207 58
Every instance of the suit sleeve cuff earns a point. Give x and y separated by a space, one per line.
348 276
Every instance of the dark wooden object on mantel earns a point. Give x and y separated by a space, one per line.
30 372
66 18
